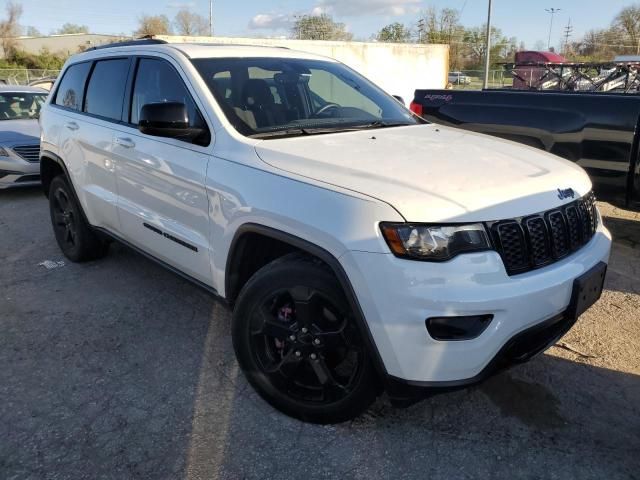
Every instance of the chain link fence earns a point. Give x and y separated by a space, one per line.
472 79
23 76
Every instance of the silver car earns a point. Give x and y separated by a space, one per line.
20 135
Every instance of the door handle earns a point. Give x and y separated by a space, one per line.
73 126
125 142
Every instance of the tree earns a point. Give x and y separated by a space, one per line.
475 39
10 29
153 25
71 28
394 33
443 27
627 24
320 27
189 23
33 32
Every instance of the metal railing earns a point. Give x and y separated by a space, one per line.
24 76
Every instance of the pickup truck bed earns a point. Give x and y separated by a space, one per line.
598 131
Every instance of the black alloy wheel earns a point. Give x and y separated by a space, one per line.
75 237
298 344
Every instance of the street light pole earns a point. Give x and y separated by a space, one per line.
211 18
487 53
552 11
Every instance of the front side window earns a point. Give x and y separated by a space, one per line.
269 97
69 94
105 91
157 82
21 106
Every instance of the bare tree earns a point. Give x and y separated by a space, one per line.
443 26
153 25
70 28
394 33
10 29
320 27
189 23
627 24
33 32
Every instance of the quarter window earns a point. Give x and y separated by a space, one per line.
69 93
105 91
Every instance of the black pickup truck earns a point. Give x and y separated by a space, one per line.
599 131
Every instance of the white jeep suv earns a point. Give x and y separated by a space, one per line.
360 248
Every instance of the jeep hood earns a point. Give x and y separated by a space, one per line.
431 173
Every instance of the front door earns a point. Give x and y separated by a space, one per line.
162 202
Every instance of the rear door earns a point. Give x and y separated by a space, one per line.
88 103
102 108
162 202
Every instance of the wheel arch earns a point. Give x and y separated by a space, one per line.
235 280
51 165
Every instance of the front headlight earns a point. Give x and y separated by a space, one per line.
3 152
434 243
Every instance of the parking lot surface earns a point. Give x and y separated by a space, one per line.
120 369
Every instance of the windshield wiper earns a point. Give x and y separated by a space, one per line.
380 124
299 131
287 132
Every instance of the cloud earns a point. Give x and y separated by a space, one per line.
339 8
349 8
269 21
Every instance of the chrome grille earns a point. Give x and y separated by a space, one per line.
538 240
31 153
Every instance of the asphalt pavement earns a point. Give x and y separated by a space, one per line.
120 369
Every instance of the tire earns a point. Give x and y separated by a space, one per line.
298 345
76 239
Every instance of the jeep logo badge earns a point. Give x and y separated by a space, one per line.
566 193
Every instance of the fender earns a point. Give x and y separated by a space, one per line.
55 158
327 258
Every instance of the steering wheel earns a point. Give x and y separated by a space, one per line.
326 107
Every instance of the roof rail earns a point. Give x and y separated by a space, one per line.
127 43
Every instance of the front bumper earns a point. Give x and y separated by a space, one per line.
396 296
16 171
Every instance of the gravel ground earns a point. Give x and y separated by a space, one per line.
120 369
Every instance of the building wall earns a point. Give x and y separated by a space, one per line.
64 44
397 68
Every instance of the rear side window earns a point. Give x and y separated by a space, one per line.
69 93
105 91
156 82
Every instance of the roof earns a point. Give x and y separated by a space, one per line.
209 50
21 89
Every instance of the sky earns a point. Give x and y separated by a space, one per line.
526 20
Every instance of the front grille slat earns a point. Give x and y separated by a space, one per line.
31 153
538 240
535 241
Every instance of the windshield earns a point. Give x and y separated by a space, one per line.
271 97
20 106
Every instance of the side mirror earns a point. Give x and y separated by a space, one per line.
399 98
167 119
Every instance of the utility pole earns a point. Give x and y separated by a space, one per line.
487 53
211 18
420 29
552 11
568 30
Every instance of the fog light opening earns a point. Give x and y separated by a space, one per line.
457 328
